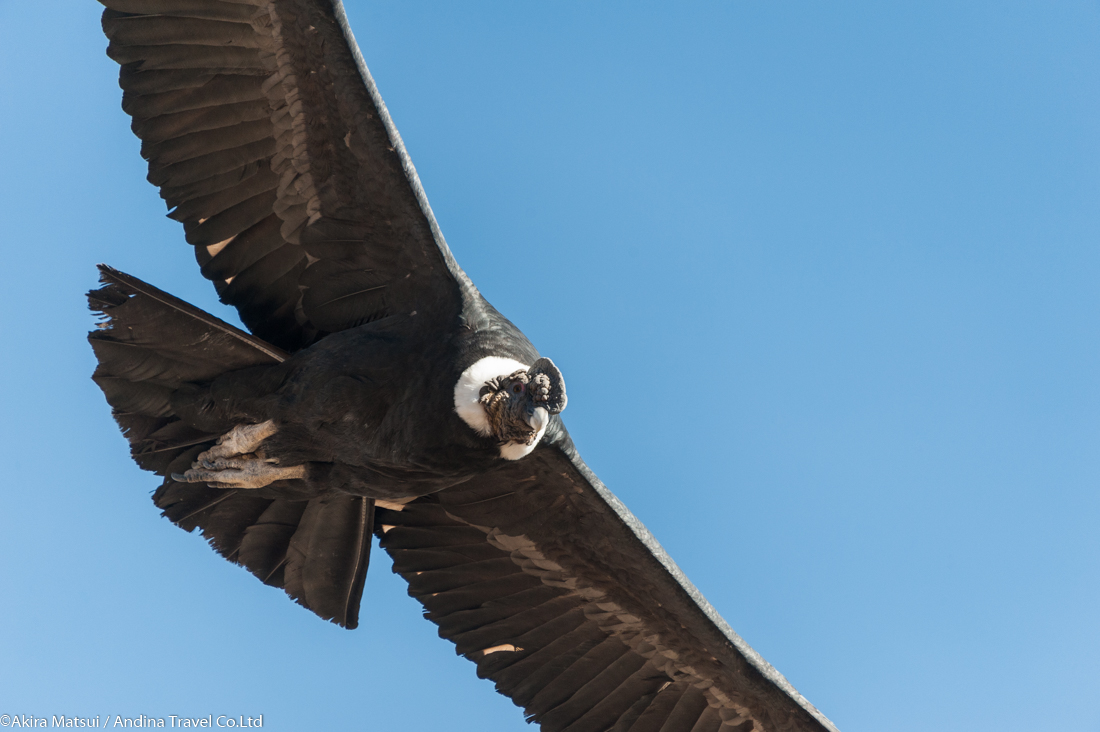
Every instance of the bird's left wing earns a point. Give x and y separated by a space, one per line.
557 592
268 140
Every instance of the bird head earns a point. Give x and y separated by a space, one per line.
519 405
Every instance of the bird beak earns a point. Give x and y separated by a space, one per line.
538 418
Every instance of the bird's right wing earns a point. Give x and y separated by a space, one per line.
548 583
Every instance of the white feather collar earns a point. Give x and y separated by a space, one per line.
468 392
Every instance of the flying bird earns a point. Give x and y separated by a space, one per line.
378 393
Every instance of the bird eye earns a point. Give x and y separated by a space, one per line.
517 388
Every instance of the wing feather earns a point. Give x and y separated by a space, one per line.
257 112
609 635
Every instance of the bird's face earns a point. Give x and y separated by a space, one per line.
519 405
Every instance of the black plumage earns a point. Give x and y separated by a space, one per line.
379 393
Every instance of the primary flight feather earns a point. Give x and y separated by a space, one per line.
379 394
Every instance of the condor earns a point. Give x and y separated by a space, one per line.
378 393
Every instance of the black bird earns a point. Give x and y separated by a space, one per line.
379 393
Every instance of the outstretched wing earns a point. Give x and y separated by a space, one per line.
548 583
269 142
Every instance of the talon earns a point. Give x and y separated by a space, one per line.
232 462
246 473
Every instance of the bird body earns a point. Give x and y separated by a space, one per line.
379 394
371 410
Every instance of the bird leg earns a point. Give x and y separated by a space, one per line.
237 462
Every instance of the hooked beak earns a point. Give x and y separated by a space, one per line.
538 418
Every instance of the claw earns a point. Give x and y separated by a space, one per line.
228 464
244 473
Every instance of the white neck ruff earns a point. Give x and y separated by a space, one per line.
468 406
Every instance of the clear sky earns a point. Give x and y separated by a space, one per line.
822 278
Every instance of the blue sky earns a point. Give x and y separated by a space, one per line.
823 282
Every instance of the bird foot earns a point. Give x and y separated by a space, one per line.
242 472
236 461
241 440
